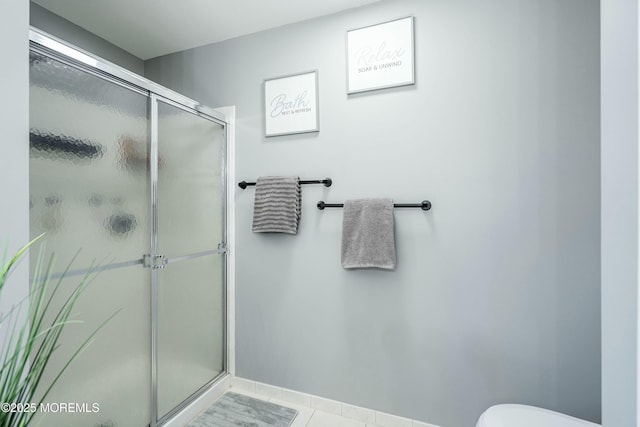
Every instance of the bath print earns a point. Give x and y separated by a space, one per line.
291 104
283 106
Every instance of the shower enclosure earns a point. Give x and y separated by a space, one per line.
128 176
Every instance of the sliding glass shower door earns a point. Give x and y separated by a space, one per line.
190 218
133 183
89 193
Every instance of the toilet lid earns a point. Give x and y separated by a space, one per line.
511 415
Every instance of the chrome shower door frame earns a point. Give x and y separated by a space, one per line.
59 50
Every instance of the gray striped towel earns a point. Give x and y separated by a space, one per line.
276 208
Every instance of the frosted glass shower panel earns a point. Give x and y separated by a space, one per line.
190 202
89 154
114 370
190 328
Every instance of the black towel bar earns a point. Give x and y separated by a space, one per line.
425 205
327 183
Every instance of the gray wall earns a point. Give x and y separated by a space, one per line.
68 31
14 147
619 213
496 295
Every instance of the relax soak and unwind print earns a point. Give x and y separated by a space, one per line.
291 104
380 56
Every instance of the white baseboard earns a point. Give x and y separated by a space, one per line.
365 415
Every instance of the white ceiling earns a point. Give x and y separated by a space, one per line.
150 28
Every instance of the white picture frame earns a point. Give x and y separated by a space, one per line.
291 104
381 56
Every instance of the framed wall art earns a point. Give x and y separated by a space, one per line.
291 104
380 56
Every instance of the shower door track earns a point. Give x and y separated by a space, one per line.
50 46
98 66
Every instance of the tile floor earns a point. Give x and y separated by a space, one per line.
313 417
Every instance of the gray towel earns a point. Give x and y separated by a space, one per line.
276 207
367 234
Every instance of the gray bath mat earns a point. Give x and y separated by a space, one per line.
237 410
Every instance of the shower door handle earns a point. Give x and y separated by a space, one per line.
157 262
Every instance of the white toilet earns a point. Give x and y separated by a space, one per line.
510 415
